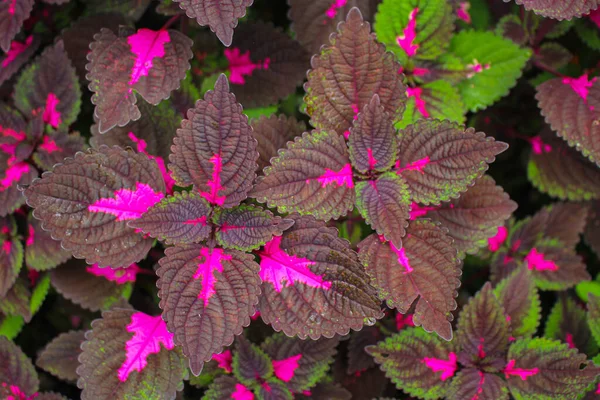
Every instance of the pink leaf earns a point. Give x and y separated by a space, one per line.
118 275
49 145
206 271
146 45
335 6
13 175
520 372
241 65
286 368
406 40
447 367
418 211
419 102
128 204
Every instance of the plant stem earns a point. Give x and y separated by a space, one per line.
546 68
170 22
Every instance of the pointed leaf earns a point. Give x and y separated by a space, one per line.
250 363
225 388
559 9
313 175
358 359
471 383
567 323
342 80
593 316
41 251
16 301
151 63
313 284
425 269
591 234
18 54
12 15
59 357
385 205
11 261
129 354
272 134
93 195
555 55
55 147
274 389
431 152
207 297
17 374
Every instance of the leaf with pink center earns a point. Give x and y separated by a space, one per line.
265 64
11 260
251 364
59 357
272 133
74 203
207 297
221 16
149 63
17 373
12 15
547 369
178 219
431 152
559 9
313 175
128 353
226 388
214 149
41 251
55 147
19 53
569 323
313 284
474 384
426 270
385 205
341 79
417 362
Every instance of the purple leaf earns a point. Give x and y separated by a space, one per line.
151 63
559 9
358 359
250 363
471 383
591 234
312 176
128 353
227 387
75 202
247 227
385 204
425 269
221 15
16 301
59 357
342 82
131 9
41 251
331 391
18 378
274 389
272 134
313 284
214 149
568 323
431 152
181 218
11 261
12 15
18 54
207 297
55 147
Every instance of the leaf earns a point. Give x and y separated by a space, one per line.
11 261
471 383
129 354
554 55
83 288
512 27
385 205
151 63
265 64
131 9
12 16
17 374
593 317
250 363
93 195
178 219
546 369
50 86
558 9
570 106
225 387
272 134
372 140
312 176
313 284
331 391
274 389
519 297
425 269
342 80
18 174
16 301
247 227
418 363
59 357
55 147
214 149
430 153
591 234
492 65
567 322
207 296
41 251
18 54
358 359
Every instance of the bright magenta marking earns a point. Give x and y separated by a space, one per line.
372 160
463 11
5 230
7 247
147 45
538 146
480 351
51 115
340 178
480 385
418 211
286 368
475 68
118 275
448 367
242 393
14 173
17 394
402 259
570 341
598 389
419 102
31 236
420 71
49 145
206 270
255 316
224 360
520 372
141 147
128 204
241 65
406 40
536 261
594 16
12 6
508 318
418 165
355 109
227 227
215 182
16 48
333 9
266 386
197 221
403 321
496 241
283 269
148 333
7 132
581 86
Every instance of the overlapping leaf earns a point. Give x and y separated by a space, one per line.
59 357
16 301
17 374
272 133
151 63
425 269
471 383
313 284
346 75
12 15
554 55
593 317
567 322
11 256
250 363
131 9
358 359
55 147
225 387
83 200
129 354
18 54
430 153
214 149
559 9
591 233
41 251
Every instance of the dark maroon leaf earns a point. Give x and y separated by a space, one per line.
214 149
313 284
358 359
250 363
12 15
553 55
55 147
346 75
272 134
274 389
567 322
592 228
559 9
41 251
312 176
471 383
13 173
207 297
225 387
17 374
511 27
16 301
50 396
425 269
59 357
132 9
11 261
18 54
87 201
330 391
151 63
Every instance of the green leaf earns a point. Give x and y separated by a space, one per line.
11 326
588 33
585 288
593 317
257 112
39 294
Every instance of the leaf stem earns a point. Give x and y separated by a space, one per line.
546 68
170 22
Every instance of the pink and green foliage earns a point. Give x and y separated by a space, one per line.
558 9
12 15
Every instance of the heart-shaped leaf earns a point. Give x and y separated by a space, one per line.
272 133
559 9
12 15
59 357
18 378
